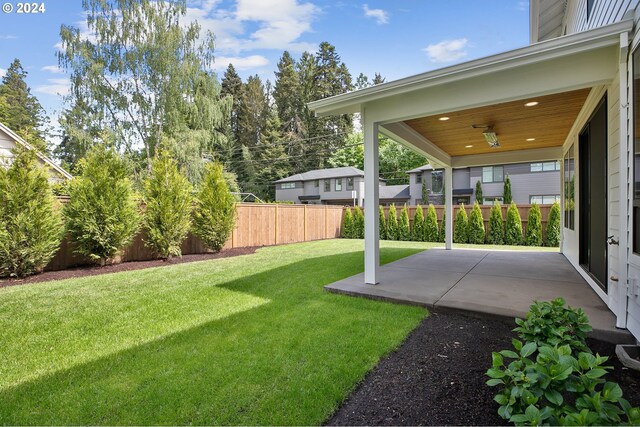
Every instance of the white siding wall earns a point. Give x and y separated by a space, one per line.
604 12
6 145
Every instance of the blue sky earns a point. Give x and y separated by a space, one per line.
395 38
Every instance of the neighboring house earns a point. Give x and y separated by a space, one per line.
570 96
537 182
9 140
335 186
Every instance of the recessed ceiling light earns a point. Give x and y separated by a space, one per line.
443 119
531 139
468 146
531 104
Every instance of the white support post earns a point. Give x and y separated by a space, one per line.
371 189
624 195
448 207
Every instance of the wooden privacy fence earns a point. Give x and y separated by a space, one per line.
257 225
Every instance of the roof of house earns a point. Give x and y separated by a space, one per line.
41 156
400 192
323 174
422 168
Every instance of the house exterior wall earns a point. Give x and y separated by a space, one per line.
603 13
290 194
7 144
415 188
308 188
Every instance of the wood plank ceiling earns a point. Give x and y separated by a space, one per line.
515 124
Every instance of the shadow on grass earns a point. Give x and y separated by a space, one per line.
290 361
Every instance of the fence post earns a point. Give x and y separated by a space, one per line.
276 227
305 222
326 221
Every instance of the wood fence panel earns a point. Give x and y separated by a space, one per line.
334 221
316 218
256 225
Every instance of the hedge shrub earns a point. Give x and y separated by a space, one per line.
167 194
479 197
214 215
347 224
382 223
513 226
404 226
506 191
553 226
358 223
418 230
443 228
534 226
392 223
431 225
102 215
475 228
30 221
460 234
495 236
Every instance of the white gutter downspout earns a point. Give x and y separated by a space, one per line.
623 239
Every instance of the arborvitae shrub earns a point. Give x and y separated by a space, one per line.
418 229
392 223
382 223
431 225
553 226
102 214
30 220
443 228
404 225
347 224
479 197
214 215
460 229
534 226
475 228
495 235
167 194
513 227
358 223
506 192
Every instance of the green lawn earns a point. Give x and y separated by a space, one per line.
245 340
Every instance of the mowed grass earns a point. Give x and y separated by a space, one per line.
245 340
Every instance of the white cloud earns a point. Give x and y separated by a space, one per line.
8 37
523 6
447 50
3 72
240 63
55 87
381 16
53 69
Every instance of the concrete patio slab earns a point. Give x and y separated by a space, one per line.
497 283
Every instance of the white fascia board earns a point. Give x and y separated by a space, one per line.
351 102
507 157
407 136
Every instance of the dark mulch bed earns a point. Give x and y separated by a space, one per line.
125 266
437 376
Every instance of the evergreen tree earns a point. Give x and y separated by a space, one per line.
167 194
534 226
347 224
306 159
393 232
496 225
431 225
362 82
476 230
479 197
214 215
382 223
19 109
286 94
404 226
553 226
358 223
506 193
460 230
378 79
443 228
513 226
30 223
101 215
425 192
230 154
418 231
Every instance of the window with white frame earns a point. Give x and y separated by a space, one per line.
492 174
545 166
437 182
545 199
327 185
350 183
338 184
287 185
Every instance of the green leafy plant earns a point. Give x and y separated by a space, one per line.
460 229
495 236
513 226
214 215
553 226
506 191
392 223
358 223
475 228
443 227
347 224
431 225
404 227
479 197
382 223
534 226
418 230
167 194
30 220
102 213
554 323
